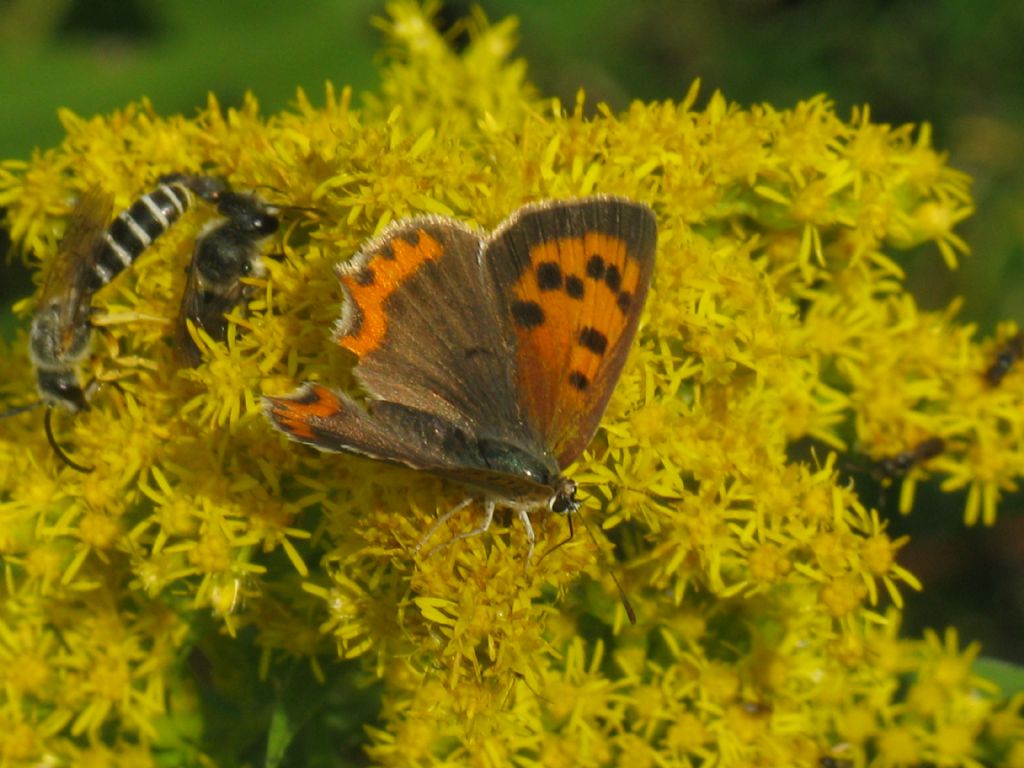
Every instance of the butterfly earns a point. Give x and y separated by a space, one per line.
488 358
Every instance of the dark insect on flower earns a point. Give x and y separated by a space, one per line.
1009 353
226 251
890 468
61 331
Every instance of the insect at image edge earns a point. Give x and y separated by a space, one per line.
95 250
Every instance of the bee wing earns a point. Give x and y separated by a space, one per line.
185 348
68 276
206 309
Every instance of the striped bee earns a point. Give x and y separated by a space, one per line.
61 333
226 251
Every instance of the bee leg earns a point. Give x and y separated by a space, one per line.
14 411
61 454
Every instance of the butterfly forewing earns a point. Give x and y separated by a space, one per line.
424 322
572 277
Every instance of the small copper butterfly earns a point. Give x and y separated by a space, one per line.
488 359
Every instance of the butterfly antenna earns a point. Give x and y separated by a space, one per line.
560 544
61 454
608 565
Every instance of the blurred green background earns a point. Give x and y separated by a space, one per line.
956 64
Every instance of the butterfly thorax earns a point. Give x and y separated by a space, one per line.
530 470
506 457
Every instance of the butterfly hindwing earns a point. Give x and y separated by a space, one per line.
333 421
399 434
572 277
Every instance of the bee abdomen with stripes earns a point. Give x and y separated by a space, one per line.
137 227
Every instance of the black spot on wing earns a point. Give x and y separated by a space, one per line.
594 340
527 314
613 278
579 381
549 276
574 287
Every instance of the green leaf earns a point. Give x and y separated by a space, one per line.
1009 677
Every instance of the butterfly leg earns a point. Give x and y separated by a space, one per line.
441 521
524 517
489 507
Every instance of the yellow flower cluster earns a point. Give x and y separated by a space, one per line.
778 315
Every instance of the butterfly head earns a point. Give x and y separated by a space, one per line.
563 501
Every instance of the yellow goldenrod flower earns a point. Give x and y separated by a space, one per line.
768 588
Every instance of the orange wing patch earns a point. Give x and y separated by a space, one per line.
578 300
370 278
296 415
